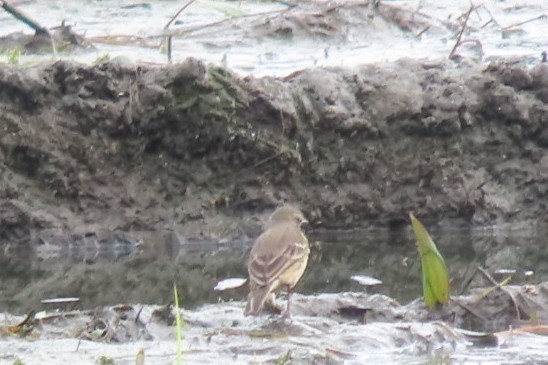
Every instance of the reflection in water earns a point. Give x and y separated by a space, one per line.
105 276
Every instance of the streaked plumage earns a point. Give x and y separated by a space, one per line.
278 258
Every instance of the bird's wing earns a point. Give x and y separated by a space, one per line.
275 251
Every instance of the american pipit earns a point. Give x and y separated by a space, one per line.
278 258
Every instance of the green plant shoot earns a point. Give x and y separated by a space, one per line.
14 55
179 326
435 277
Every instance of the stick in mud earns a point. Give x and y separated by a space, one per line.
468 281
169 48
19 15
178 13
458 42
170 37
500 286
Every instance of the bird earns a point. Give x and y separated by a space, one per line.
277 259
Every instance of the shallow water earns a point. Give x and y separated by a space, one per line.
126 275
122 274
246 53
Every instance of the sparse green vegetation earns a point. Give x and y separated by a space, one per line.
179 328
285 359
13 55
105 360
103 58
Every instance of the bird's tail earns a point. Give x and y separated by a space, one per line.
256 299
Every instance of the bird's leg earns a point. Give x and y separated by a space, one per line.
271 305
287 314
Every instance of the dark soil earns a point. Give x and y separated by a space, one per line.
194 149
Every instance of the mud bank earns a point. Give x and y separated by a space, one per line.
192 149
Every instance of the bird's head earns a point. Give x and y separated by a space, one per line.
287 213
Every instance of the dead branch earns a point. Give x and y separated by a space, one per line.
543 16
457 43
169 37
491 20
178 13
467 282
501 287
422 31
487 23
186 31
27 20
29 318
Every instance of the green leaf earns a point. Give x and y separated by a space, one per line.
435 277
179 326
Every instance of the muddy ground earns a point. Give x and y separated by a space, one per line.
342 328
193 149
192 155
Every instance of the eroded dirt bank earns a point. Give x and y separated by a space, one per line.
193 149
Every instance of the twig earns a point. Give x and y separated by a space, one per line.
169 37
19 15
457 43
487 23
467 308
468 281
488 276
422 31
123 39
178 13
501 287
478 45
38 29
185 31
28 318
490 20
139 314
476 10
543 16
